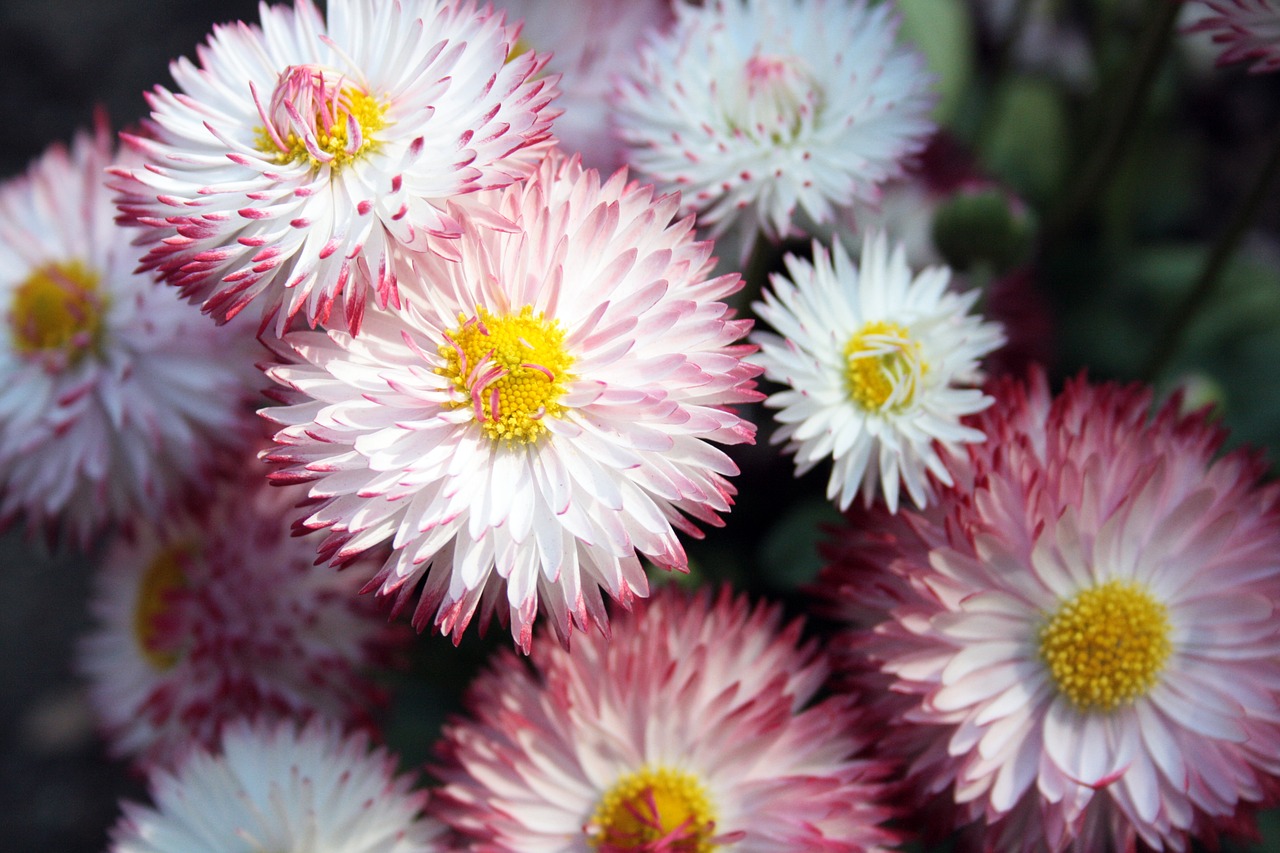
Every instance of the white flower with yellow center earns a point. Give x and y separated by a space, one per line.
876 360
769 115
115 396
276 787
540 415
1078 647
693 729
299 161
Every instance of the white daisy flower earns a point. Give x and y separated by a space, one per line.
275 787
114 395
540 414
754 108
298 160
875 360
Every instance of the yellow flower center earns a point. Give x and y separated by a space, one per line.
316 116
511 370
657 810
883 368
58 308
162 578
1106 645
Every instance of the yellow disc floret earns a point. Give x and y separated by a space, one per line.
316 117
1106 645
883 367
57 309
162 578
654 809
511 370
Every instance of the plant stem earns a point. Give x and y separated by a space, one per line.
1211 273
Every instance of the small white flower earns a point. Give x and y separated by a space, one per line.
874 360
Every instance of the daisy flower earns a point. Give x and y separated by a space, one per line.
300 160
589 40
221 614
694 727
274 786
874 360
1080 642
754 108
540 412
114 395
1248 30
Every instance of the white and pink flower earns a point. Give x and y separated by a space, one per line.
1247 30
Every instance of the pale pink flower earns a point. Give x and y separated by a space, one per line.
1247 30
538 417
275 786
220 614
299 160
115 396
694 727
1078 646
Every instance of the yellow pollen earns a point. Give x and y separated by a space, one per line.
518 48
162 578
1106 645
510 370
883 368
314 117
58 308
657 810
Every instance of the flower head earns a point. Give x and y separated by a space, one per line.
540 412
1249 30
221 614
1079 642
275 786
754 108
300 160
875 360
692 728
114 395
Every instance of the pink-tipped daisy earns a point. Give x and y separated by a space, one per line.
300 159
694 728
114 395
221 614
275 786
589 40
771 114
1080 641
539 415
876 361
1248 30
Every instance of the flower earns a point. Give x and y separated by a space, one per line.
220 614
538 414
873 360
693 727
300 160
1080 640
752 108
589 41
280 787
115 395
1249 30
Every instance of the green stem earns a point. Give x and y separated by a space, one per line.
1211 273
1120 123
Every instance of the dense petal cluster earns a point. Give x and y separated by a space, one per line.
695 724
279 787
300 159
764 111
1079 646
589 41
539 412
114 395
876 361
1248 30
220 614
